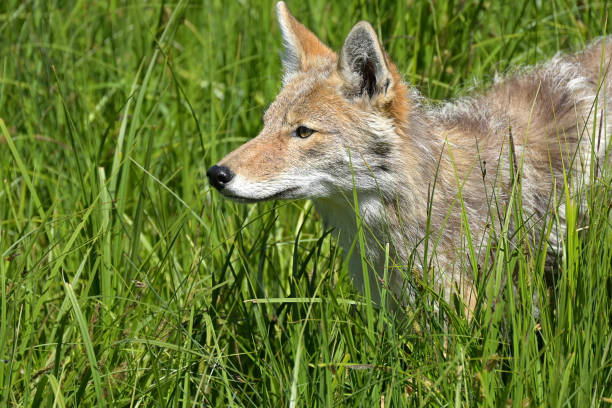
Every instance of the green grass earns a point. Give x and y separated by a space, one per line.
126 281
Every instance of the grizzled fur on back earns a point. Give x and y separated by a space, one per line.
347 123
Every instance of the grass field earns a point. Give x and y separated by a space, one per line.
125 280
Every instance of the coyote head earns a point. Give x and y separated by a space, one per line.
335 125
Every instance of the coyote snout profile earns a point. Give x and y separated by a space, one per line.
345 125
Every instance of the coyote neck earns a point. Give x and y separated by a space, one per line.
382 225
396 212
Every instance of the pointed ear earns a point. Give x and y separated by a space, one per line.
302 47
363 63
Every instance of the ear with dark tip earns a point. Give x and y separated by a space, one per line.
302 47
363 63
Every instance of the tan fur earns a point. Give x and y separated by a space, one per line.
311 47
375 134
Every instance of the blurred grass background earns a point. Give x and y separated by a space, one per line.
126 281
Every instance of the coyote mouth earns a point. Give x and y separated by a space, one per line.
249 200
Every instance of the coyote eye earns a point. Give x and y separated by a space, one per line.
303 132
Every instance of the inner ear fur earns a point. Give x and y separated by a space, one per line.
363 64
301 47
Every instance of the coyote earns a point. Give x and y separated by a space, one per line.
346 132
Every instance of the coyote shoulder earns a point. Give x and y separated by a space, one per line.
424 176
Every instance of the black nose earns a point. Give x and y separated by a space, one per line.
219 176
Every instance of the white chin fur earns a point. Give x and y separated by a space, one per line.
245 191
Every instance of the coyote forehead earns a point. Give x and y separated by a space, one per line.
346 123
